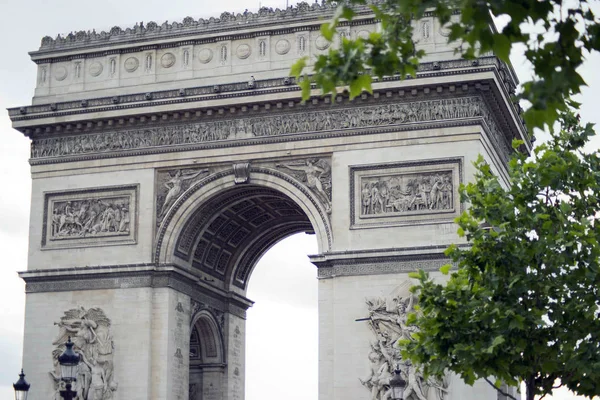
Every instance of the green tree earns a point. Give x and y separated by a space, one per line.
565 31
523 304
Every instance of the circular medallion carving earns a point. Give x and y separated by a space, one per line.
205 55
243 51
363 34
96 68
131 64
167 60
282 47
444 31
322 43
60 73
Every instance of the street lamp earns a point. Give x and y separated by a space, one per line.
397 385
21 387
68 369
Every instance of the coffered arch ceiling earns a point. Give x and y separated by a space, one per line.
226 236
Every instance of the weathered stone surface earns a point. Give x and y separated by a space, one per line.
163 173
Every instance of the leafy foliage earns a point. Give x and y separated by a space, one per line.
563 32
524 302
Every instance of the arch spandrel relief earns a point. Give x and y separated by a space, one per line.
171 184
315 174
225 235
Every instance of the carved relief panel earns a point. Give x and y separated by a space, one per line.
90 332
405 192
90 217
387 319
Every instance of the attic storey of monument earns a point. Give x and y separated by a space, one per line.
168 158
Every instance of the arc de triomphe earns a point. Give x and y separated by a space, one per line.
166 159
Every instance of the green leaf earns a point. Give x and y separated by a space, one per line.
362 82
502 47
328 31
305 86
298 67
445 269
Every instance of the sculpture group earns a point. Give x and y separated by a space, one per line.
266 126
405 193
99 217
388 321
89 329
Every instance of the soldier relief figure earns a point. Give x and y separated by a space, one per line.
90 217
388 321
89 330
405 194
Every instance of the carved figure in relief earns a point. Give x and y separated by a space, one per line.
366 199
98 384
378 379
316 175
413 383
388 321
96 216
175 188
89 330
398 194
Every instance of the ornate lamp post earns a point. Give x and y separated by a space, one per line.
397 384
21 387
68 369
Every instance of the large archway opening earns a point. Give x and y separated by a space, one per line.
282 325
220 231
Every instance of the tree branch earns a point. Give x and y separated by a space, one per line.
500 390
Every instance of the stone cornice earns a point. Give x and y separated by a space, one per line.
135 276
380 261
239 89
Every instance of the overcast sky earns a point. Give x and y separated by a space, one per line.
285 315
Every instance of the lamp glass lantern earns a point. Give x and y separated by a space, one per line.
397 384
21 387
68 360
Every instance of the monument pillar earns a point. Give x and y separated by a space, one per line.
236 358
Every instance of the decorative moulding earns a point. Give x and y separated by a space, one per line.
227 21
251 126
405 193
90 217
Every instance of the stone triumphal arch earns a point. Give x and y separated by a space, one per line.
166 159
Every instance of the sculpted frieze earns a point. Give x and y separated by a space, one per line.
405 192
334 119
90 332
90 217
387 319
